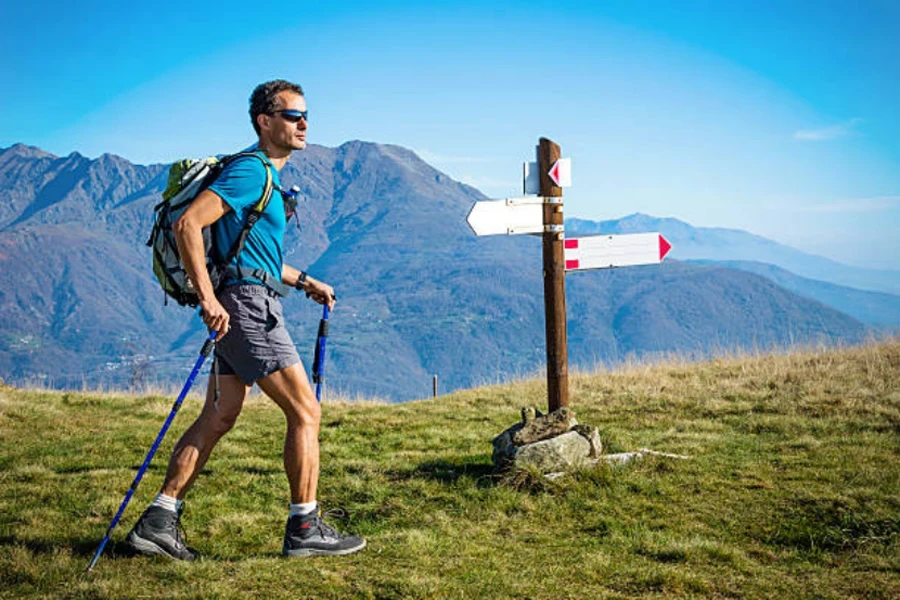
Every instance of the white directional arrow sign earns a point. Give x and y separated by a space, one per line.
510 216
606 251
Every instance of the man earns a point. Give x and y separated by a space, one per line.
253 345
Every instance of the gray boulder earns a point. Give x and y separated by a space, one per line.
592 435
552 443
537 428
555 454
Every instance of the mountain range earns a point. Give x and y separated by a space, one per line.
722 244
419 294
839 286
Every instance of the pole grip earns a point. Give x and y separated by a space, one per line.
209 344
318 368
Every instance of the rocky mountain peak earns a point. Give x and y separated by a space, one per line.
23 151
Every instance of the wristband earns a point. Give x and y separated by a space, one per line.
301 281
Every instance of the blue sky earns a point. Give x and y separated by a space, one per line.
778 118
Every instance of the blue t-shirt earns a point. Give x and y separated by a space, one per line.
241 185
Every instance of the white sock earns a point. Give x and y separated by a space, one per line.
167 502
303 508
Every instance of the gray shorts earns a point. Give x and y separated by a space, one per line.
257 343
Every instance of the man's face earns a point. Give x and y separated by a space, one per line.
284 130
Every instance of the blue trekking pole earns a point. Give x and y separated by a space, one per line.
204 352
318 368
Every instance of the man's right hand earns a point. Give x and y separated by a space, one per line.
215 316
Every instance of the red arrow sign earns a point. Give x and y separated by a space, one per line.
664 247
554 173
561 172
606 251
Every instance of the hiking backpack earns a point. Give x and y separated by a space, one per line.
187 178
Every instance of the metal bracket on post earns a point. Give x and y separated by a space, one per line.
559 230
524 201
533 200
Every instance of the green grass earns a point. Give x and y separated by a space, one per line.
793 491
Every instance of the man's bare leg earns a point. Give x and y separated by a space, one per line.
193 449
289 388
306 534
156 532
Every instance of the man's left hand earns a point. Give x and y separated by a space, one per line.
321 292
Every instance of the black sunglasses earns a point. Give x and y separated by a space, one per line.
293 116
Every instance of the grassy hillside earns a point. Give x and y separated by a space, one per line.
793 491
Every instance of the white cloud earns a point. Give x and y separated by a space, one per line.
855 205
832 132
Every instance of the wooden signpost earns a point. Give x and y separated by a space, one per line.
554 276
543 214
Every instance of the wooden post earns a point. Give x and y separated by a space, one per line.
554 280
434 384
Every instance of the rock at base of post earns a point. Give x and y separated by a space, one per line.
551 443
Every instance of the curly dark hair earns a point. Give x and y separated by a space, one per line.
264 99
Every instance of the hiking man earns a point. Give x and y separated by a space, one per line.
253 345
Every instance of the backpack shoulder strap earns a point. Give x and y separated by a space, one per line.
257 209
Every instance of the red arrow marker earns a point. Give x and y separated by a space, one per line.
561 172
554 173
664 247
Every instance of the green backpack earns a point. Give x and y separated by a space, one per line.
187 178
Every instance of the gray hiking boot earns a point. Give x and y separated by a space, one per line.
157 532
310 535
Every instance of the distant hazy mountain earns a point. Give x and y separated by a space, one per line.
735 245
418 293
873 308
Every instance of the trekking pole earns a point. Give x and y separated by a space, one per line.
319 359
204 352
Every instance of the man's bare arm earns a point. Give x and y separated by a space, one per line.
205 210
317 290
